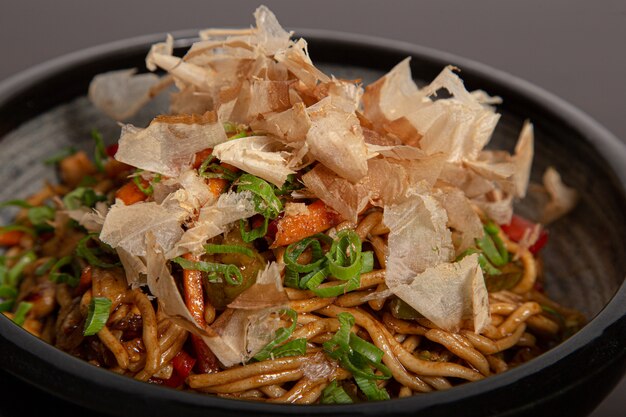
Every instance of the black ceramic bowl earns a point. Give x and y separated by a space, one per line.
43 109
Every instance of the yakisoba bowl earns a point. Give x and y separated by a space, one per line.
529 383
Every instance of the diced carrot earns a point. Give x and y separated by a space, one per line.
129 193
10 238
84 283
217 186
115 169
194 297
194 300
75 167
292 229
201 157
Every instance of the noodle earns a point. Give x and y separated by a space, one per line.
338 272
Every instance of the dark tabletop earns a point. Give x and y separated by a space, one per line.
574 49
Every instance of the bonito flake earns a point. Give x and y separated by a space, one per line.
169 144
127 226
336 140
258 155
448 293
418 237
120 94
214 220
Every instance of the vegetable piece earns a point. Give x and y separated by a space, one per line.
143 185
231 273
13 275
76 167
359 357
20 314
281 335
97 315
91 254
521 228
319 218
335 394
182 363
194 300
82 197
192 290
56 276
212 249
100 151
61 155
10 237
130 193
294 348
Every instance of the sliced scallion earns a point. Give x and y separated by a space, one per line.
82 196
97 315
63 277
91 254
12 277
280 336
335 394
61 155
20 314
231 273
100 153
296 347
212 249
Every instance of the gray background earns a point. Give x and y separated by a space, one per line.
574 49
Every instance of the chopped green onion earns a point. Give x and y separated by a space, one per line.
7 292
18 227
82 196
265 200
344 257
294 250
280 336
371 389
401 310
250 236
45 267
334 394
16 203
296 347
290 185
239 135
40 215
359 357
149 190
485 265
230 127
222 172
6 305
367 259
87 181
58 157
7 297
492 246
100 153
12 277
58 277
20 314
91 254
231 273
97 315
212 248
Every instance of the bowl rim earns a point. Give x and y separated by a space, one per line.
608 146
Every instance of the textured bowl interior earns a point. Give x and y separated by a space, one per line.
585 259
